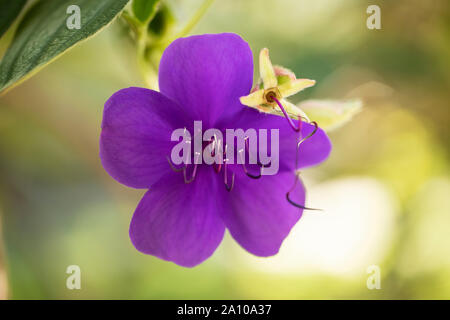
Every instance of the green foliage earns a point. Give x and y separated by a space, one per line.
9 11
331 114
43 35
143 10
162 22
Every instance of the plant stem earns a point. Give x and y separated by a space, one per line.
195 18
148 73
147 68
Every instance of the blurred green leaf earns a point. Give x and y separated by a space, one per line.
43 35
9 11
330 114
163 21
144 9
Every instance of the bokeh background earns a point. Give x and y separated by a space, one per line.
384 189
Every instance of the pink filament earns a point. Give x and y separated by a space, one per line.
291 123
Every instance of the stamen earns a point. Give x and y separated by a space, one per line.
297 175
184 169
172 166
247 148
304 139
194 171
214 140
217 167
225 180
245 168
295 204
271 98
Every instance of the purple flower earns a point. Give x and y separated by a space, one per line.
202 78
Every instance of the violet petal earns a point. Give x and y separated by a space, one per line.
135 138
180 222
207 75
261 216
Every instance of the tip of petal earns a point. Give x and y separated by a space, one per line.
308 82
264 51
266 70
243 100
292 87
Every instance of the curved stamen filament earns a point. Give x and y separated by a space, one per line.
184 169
217 167
245 168
291 123
297 175
295 204
247 148
304 139
225 179
172 166
194 171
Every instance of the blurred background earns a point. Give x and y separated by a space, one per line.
384 189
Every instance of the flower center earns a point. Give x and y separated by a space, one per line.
271 94
242 154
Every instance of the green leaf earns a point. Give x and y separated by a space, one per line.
163 22
330 114
43 35
144 9
9 11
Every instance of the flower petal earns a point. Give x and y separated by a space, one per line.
261 217
135 138
292 87
253 99
266 70
312 151
180 222
207 74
